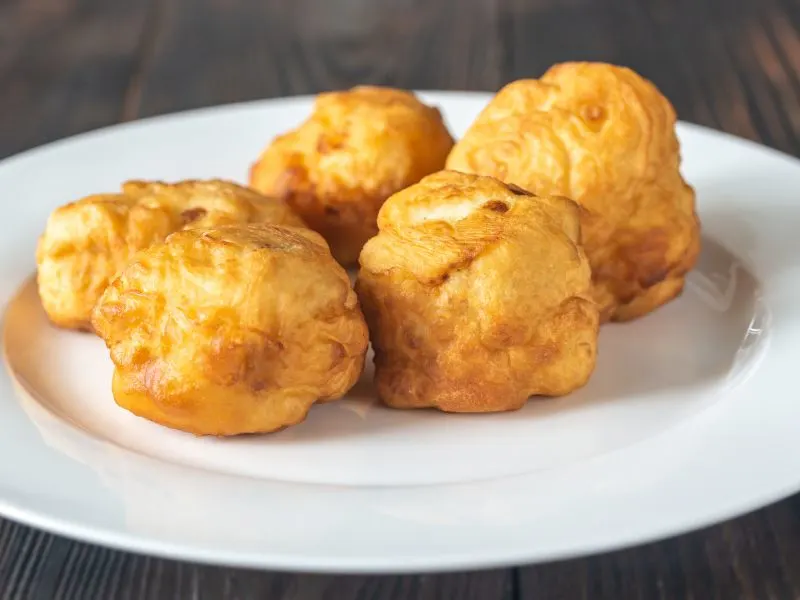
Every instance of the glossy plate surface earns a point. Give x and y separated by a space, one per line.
690 418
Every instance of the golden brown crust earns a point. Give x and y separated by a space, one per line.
356 149
86 243
229 330
477 296
605 137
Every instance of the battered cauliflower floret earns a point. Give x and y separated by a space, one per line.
477 296
605 137
356 149
230 330
86 243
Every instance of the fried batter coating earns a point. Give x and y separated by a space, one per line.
230 330
86 243
356 149
605 137
477 295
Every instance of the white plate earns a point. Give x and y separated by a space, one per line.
692 415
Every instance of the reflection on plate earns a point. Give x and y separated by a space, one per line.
696 347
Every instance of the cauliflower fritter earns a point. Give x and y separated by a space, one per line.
86 243
605 137
230 330
356 149
477 295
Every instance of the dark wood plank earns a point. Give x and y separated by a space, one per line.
65 66
214 51
22 558
729 64
39 565
758 69
756 557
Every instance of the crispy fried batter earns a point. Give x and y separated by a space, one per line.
605 137
356 149
477 296
230 330
86 243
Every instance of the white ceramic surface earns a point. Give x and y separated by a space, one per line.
691 417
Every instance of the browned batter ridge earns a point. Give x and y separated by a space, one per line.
605 137
86 243
234 329
356 149
477 296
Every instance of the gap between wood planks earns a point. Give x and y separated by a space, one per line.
145 53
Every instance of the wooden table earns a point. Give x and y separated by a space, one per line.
67 66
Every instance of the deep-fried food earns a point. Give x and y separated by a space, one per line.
86 243
477 295
229 330
356 149
605 137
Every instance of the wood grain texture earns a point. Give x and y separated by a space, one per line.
65 66
55 568
756 557
72 65
218 51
